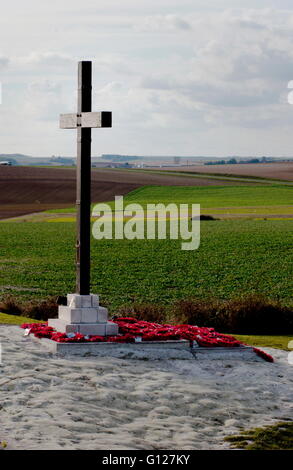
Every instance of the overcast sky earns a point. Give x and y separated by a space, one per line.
182 77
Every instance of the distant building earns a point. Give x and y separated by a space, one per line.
101 165
121 165
112 165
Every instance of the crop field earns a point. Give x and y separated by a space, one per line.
24 190
219 201
279 170
234 258
216 196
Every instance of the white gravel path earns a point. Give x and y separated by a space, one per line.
49 402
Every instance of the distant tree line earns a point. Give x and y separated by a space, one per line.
7 159
119 158
233 161
62 160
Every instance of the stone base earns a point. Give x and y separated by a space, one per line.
150 350
231 353
83 315
95 329
146 350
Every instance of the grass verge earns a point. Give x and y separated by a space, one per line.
277 342
8 319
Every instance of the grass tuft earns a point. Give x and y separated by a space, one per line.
276 437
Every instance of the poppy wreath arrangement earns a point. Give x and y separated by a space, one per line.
132 329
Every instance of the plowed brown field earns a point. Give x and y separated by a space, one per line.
24 190
283 171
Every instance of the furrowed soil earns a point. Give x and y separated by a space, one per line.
282 171
24 190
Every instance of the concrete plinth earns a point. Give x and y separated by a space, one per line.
241 353
83 315
145 350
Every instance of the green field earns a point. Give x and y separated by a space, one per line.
214 196
235 257
222 200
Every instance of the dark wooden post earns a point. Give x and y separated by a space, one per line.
83 183
84 120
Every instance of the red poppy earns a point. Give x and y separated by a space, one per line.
131 328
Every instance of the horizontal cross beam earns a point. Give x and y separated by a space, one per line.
89 120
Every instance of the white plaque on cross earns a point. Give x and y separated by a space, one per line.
89 120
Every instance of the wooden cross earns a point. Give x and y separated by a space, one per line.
84 121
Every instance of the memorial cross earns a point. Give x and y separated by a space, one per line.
84 120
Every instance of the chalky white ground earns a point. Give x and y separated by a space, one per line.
49 402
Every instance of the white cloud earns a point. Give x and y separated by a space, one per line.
4 61
113 63
45 58
171 76
163 23
241 65
44 86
